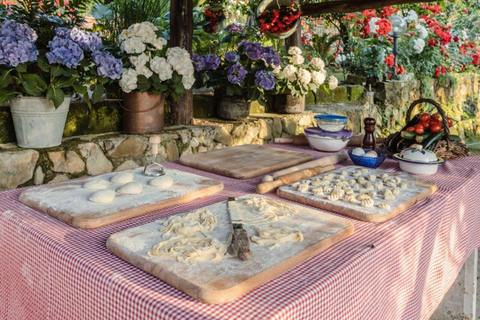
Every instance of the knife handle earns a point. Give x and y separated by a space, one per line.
242 243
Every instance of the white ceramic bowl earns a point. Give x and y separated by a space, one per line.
327 141
418 161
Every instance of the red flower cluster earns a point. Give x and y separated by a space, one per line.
388 11
369 14
440 70
281 20
390 60
214 18
443 34
476 58
385 27
435 8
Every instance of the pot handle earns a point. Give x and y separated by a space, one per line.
141 111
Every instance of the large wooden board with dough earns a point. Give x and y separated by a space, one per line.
218 282
68 201
415 189
244 162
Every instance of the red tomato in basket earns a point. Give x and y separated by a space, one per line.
450 122
424 117
425 124
436 128
411 129
436 116
418 126
419 131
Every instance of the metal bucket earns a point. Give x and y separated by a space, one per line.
143 112
37 123
266 4
286 103
233 108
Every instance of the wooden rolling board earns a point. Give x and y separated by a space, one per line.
68 201
223 281
244 162
418 189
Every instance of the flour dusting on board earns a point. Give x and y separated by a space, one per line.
71 198
313 224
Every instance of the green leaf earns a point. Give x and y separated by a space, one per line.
6 95
34 85
56 95
43 64
21 68
5 78
80 89
102 80
57 70
98 91
64 82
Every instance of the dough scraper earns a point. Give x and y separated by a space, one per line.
240 241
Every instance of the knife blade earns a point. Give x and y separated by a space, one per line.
240 240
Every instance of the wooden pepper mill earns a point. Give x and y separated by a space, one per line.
369 138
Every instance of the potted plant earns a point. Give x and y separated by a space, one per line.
152 72
295 79
39 78
278 18
241 76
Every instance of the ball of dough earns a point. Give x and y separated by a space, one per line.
103 196
161 182
267 178
122 178
130 188
96 185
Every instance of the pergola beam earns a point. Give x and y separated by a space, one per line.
347 6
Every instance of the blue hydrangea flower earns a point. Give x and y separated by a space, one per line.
198 62
17 44
88 41
212 62
108 65
232 56
63 32
236 73
235 28
271 56
254 50
65 52
264 79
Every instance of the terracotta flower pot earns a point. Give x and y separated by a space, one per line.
143 112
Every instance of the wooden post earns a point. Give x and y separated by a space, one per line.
295 40
181 35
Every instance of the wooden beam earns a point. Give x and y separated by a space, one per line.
181 35
346 6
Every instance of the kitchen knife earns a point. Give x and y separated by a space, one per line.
240 240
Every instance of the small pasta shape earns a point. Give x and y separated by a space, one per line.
368 203
395 191
303 187
384 206
334 196
372 177
352 198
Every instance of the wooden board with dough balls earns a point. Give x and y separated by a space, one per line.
189 251
366 194
109 198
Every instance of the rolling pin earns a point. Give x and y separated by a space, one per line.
324 161
264 187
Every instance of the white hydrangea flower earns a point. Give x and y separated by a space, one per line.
332 83
318 63
411 16
289 72
277 70
126 34
304 76
180 60
422 31
159 43
144 31
318 77
188 81
139 61
373 25
161 67
133 45
144 71
294 51
298 59
418 45
128 82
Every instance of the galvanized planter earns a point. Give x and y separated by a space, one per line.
286 103
232 108
143 112
37 123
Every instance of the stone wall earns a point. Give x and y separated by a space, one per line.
97 154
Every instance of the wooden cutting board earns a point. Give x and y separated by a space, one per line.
418 189
226 280
68 201
244 162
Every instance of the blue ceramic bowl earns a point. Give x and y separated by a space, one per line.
368 162
331 122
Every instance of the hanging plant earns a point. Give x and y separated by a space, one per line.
279 18
214 16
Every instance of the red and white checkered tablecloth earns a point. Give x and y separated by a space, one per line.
399 269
